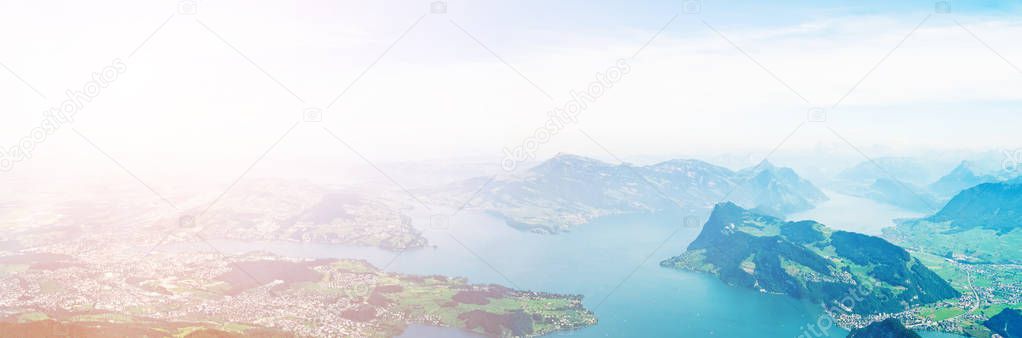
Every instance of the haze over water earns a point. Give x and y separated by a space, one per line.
855 214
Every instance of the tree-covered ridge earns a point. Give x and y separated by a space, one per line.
994 206
1008 323
888 328
807 260
981 225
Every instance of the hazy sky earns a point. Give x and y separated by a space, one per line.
229 81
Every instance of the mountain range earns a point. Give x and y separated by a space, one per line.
901 194
808 260
966 175
569 190
913 184
980 224
906 169
896 181
993 206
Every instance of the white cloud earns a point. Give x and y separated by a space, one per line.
189 97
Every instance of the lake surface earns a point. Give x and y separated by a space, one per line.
613 262
854 214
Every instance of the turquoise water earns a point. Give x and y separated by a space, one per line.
593 261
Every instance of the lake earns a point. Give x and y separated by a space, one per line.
856 214
594 260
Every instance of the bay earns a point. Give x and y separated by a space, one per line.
613 262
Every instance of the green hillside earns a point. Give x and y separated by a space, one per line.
809 261
980 225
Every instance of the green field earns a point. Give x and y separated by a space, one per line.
994 283
975 245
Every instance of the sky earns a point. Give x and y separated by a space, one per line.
229 84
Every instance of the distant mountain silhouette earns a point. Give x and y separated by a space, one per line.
568 190
909 170
967 175
896 181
